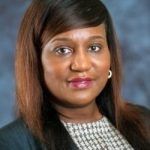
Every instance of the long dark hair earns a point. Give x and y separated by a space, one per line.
42 20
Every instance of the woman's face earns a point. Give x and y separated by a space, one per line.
76 65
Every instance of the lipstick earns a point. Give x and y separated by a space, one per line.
80 83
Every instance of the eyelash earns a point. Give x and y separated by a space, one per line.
70 50
58 50
96 46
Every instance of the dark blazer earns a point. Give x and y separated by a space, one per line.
131 132
16 136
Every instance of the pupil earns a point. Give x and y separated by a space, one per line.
62 50
93 47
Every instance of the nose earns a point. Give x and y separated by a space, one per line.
81 62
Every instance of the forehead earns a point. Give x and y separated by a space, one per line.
83 33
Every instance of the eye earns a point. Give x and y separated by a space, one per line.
63 50
95 48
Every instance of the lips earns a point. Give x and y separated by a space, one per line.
80 83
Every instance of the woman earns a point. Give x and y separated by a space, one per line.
68 83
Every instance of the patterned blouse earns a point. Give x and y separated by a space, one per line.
98 135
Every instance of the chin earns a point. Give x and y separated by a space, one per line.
80 102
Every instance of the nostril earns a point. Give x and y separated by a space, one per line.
81 64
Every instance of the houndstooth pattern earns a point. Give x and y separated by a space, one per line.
98 135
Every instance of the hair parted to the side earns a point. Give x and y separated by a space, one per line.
42 20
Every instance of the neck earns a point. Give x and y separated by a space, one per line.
84 114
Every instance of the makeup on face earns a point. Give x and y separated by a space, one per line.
76 65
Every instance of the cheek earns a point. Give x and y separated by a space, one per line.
54 73
102 70
102 64
52 78
52 67
55 77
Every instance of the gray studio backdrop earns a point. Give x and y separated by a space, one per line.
131 19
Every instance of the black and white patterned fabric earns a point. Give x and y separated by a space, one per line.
98 135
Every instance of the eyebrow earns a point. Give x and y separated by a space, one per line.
96 37
68 39
60 39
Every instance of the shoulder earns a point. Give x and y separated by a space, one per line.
16 136
136 125
144 112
